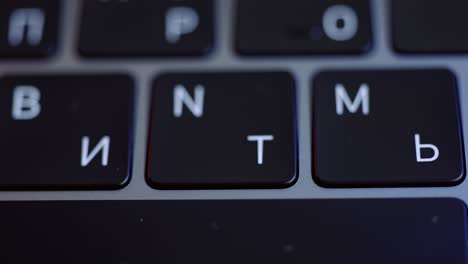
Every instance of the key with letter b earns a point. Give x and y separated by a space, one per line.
65 131
386 128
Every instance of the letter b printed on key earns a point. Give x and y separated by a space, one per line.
26 105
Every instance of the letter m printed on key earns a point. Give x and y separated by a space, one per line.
361 99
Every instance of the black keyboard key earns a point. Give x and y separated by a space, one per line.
429 26
28 28
387 128
222 130
146 28
404 231
65 131
299 27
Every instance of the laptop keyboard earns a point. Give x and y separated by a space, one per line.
112 107
224 128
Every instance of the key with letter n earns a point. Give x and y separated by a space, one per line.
222 130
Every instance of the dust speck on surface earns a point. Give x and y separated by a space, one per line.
288 248
74 107
141 220
215 226
435 219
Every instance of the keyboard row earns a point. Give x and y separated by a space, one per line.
116 28
369 128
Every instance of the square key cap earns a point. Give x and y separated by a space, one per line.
303 27
65 131
116 28
386 128
28 28
222 130
429 26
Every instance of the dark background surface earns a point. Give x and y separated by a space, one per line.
228 231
